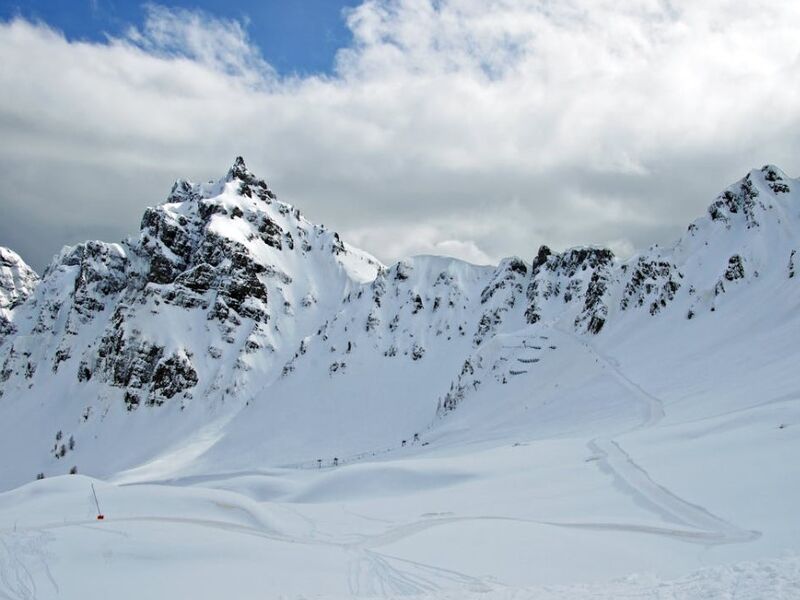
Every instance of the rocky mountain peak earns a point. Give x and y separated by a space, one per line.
238 163
17 279
17 282
244 272
748 200
250 185
239 171
541 257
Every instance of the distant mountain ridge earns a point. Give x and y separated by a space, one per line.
233 321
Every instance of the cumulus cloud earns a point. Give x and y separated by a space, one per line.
465 127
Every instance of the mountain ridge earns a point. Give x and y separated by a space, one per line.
229 298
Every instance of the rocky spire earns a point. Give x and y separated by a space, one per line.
17 282
239 170
17 279
250 184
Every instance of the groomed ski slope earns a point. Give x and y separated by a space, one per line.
601 475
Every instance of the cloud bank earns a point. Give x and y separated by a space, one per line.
463 127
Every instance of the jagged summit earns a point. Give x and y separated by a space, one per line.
753 196
17 279
249 185
238 164
17 282
239 171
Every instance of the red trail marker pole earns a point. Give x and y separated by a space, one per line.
100 515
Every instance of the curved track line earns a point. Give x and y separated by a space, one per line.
632 479
638 483
653 405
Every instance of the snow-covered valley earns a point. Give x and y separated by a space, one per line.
266 412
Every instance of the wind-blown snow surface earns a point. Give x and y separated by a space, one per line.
541 429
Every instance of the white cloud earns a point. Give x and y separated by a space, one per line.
468 127
407 239
217 44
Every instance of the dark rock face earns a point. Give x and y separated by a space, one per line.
102 272
168 241
538 289
579 274
199 279
575 259
488 323
508 276
250 185
337 247
191 286
776 182
735 268
541 258
172 375
451 399
402 271
17 279
6 327
182 191
733 271
237 275
122 358
652 282
742 200
595 310
271 232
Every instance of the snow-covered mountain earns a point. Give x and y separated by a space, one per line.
229 311
431 427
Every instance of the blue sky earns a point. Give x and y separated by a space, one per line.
294 36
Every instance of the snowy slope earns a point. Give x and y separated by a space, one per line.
255 391
167 542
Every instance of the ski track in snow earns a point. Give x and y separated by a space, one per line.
654 406
22 555
775 579
635 481
370 573
374 574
